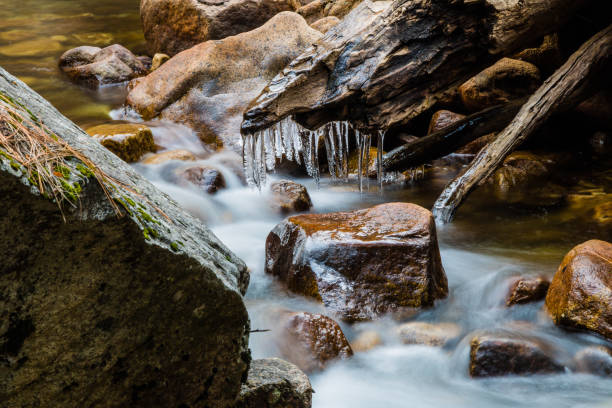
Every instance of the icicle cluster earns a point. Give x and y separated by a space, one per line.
288 140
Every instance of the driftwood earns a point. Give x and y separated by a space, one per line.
381 67
451 138
566 87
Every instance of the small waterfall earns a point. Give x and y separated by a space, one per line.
288 140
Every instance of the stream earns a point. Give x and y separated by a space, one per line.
482 249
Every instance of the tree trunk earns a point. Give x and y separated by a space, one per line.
384 66
451 138
565 88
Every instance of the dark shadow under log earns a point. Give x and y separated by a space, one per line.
451 138
586 69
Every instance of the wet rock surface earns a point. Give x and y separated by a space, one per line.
526 290
580 294
594 360
443 118
430 334
312 341
208 86
289 196
205 178
172 26
275 383
507 79
159 158
366 341
94 67
503 354
128 141
101 310
363 263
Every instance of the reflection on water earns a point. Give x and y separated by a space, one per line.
488 243
34 33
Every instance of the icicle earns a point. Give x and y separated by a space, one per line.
379 157
359 140
329 150
367 144
269 148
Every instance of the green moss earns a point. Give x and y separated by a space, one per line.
84 170
125 205
71 191
150 232
64 171
129 201
146 216
174 246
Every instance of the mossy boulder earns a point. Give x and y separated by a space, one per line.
362 263
129 141
137 305
580 294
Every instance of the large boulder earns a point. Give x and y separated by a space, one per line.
497 354
93 66
312 341
275 383
211 84
172 26
580 294
361 263
113 301
507 79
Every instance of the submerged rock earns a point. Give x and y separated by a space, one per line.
128 141
172 26
93 66
580 294
288 197
206 178
501 354
141 310
209 86
362 263
366 341
507 79
430 334
312 341
275 383
526 290
159 158
594 360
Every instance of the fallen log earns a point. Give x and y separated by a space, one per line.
451 138
384 66
570 84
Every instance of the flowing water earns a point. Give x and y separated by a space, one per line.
488 243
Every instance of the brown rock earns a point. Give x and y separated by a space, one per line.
602 213
319 9
507 79
312 341
442 119
325 24
158 60
496 355
580 294
594 360
159 158
172 26
476 145
360 263
129 141
208 179
366 341
210 85
275 383
526 290
547 57
598 109
430 334
93 67
288 197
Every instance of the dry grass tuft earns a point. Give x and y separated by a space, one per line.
31 147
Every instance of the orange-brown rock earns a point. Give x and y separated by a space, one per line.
93 66
443 118
312 341
525 290
325 24
430 334
476 145
547 57
369 169
502 354
159 158
507 79
319 9
172 26
580 294
361 263
289 196
367 340
209 86
129 141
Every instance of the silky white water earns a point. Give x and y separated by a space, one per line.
480 253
